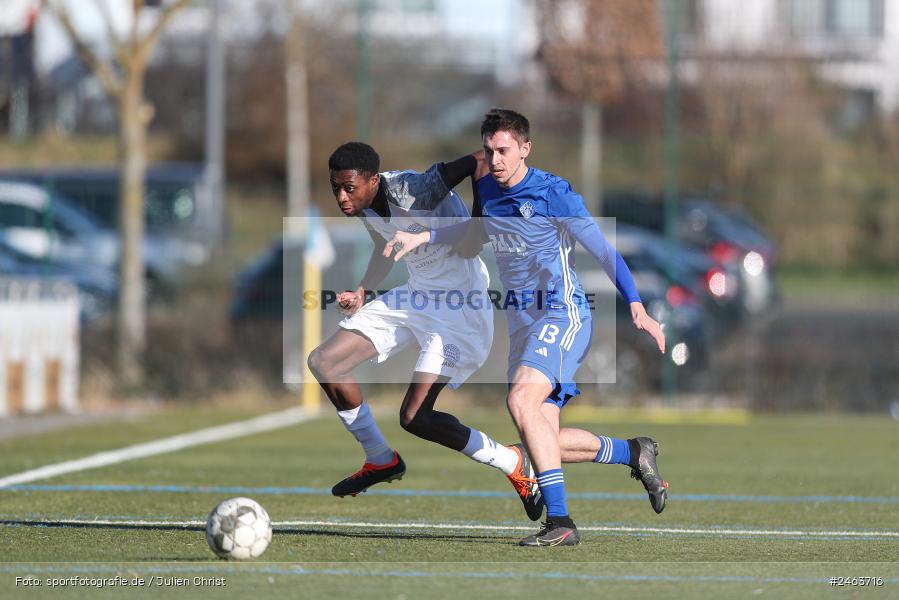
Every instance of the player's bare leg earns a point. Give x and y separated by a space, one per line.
529 389
418 417
552 414
539 430
579 445
332 364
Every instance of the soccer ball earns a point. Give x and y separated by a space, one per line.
238 529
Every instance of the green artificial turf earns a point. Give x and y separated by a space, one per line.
778 504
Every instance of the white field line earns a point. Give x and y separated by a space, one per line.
478 527
269 422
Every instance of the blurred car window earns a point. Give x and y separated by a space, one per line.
16 215
174 195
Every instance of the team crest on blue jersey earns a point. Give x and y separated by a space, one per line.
526 210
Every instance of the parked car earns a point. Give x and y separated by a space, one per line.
97 287
685 273
44 224
180 214
724 233
638 363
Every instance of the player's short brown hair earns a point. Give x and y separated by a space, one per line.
503 119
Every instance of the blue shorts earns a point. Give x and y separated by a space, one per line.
555 347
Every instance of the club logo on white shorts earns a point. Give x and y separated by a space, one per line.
526 210
451 355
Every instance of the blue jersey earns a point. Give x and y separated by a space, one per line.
533 227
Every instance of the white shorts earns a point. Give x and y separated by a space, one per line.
455 338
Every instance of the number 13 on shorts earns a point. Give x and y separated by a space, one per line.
548 333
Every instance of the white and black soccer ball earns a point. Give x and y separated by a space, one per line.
238 529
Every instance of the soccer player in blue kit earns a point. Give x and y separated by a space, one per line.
533 220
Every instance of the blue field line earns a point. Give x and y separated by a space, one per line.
280 491
132 570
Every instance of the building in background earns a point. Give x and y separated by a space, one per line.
17 66
494 41
491 36
852 43
43 83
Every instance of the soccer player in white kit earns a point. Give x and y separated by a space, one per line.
444 308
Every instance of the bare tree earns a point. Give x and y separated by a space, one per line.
741 100
122 78
598 51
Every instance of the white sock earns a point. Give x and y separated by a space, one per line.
361 423
482 449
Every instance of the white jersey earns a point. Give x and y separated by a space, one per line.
421 202
455 337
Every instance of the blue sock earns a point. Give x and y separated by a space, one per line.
613 451
552 486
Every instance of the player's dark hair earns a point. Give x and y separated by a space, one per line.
355 156
503 119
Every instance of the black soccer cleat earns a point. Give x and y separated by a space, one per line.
369 475
524 480
647 471
553 534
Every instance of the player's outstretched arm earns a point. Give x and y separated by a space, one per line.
584 230
644 322
404 243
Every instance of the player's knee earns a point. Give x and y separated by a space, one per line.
417 423
518 406
319 364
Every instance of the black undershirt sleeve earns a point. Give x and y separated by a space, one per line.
455 171
475 238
